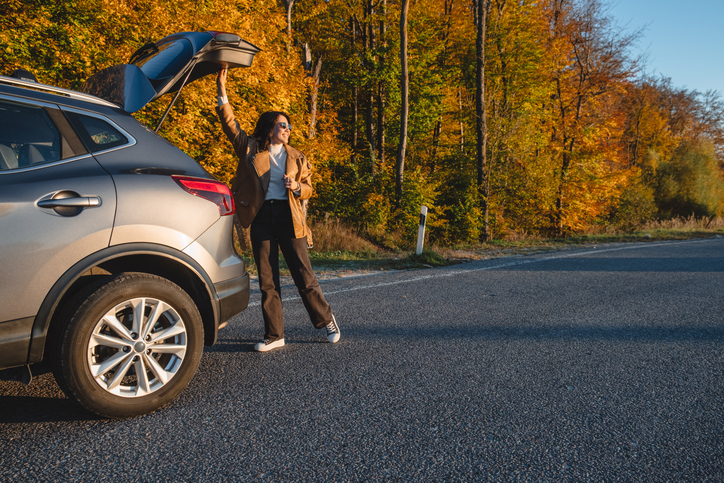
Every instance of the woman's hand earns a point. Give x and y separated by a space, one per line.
221 83
291 184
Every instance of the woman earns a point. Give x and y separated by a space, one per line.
272 179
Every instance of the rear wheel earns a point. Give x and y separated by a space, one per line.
130 346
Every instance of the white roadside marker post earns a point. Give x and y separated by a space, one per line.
421 229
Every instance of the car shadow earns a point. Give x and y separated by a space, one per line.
713 334
232 345
38 409
41 401
247 345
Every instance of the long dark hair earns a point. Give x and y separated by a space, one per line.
265 126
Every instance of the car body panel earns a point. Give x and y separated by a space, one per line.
233 296
15 341
152 155
144 214
216 251
38 244
148 196
149 256
34 91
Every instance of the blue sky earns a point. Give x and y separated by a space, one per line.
684 39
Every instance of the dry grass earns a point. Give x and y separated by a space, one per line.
341 250
486 251
686 224
334 236
520 236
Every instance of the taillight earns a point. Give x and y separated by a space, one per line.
214 191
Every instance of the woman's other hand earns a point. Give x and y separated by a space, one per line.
291 184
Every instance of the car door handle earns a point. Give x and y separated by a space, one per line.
76 202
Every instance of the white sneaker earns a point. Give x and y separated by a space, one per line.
267 346
332 331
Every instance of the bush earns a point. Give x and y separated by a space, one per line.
690 183
460 216
635 206
417 190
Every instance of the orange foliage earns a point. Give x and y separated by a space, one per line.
570 132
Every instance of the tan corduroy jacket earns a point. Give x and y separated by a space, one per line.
251 182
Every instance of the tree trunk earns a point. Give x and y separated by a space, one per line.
370 128
369 46
639 118
404 103
381 96
307 62
481 115
436 141
289 4
380 126
355 93
437 131
313 99
462 124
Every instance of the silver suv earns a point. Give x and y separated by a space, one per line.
116 248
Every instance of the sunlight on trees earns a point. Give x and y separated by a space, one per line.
576 139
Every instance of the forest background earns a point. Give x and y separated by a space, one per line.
568 136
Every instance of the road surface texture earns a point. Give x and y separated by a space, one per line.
594 364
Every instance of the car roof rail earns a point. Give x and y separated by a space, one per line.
55 90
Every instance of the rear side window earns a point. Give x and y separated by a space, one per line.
27 136
96 134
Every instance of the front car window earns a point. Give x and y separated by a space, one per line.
27 136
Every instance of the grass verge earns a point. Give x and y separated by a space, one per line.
331 258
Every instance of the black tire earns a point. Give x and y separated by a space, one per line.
116 368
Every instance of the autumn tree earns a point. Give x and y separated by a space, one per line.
515 117
518 93
673 141
591 63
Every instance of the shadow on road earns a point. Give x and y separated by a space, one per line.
662 265
232 345
30 409
247 345
29 404
632 333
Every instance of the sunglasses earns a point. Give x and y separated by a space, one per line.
285 125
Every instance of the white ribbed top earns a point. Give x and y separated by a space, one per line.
278 167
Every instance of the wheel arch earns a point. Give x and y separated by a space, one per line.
158 260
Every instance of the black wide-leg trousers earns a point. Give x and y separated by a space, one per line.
272 230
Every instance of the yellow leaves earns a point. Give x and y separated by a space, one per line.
540 144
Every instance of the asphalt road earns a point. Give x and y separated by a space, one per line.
596 364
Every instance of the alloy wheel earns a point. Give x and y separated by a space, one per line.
137 347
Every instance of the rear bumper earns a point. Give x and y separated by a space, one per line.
15 342
233 296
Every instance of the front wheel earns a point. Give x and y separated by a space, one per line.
130 346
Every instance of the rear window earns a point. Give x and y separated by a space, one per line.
170 59
27 136
96 134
